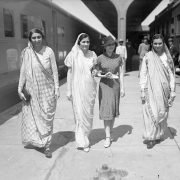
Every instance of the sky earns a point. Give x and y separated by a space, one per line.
80 10
155 12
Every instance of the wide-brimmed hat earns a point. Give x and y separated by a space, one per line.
108 40
121 40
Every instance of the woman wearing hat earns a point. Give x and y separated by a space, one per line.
109 66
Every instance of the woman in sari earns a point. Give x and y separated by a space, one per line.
157 82
81 88
39 76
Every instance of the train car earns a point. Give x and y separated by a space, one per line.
167 23
17 18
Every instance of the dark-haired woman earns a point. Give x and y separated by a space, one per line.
157 84
111 86
81 88
39 76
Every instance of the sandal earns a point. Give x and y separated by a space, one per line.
86 149
48 153
106 145
151 144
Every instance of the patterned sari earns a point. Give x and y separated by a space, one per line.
38 114
156 105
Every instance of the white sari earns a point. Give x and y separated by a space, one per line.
83 88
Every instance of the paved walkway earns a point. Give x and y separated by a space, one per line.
127 152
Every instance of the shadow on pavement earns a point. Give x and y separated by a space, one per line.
170 133
118 132
60 139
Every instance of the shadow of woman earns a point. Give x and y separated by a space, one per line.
60 139
118 132
170 133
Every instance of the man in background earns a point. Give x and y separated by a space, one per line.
130 53
173 51
121 49
144 47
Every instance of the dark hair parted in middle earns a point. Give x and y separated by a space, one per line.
157 36
35 30
84 35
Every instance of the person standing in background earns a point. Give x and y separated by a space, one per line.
173 51
144 47
121 50
130 53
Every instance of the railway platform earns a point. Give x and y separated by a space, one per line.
128 153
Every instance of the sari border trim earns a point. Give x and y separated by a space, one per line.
150 109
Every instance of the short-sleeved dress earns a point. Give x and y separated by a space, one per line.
109 89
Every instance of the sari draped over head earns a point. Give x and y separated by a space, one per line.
158 91
38 115
83 88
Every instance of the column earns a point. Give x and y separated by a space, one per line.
121 7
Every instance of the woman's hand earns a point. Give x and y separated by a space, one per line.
94 72
108 75
122 93
69 95
143 96
172 95
57 93
21 95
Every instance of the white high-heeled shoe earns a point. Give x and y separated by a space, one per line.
112 136
106 144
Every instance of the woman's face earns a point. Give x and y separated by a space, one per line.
84 44
110 47
158 45
36 39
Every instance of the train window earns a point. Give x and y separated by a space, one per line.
8 23
24 26
158 30
44 28
178 24
163 29
61 31
172 26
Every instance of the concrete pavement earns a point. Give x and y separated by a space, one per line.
127 153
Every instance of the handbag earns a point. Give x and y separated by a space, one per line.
26 95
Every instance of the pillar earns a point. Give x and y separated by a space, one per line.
121 7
